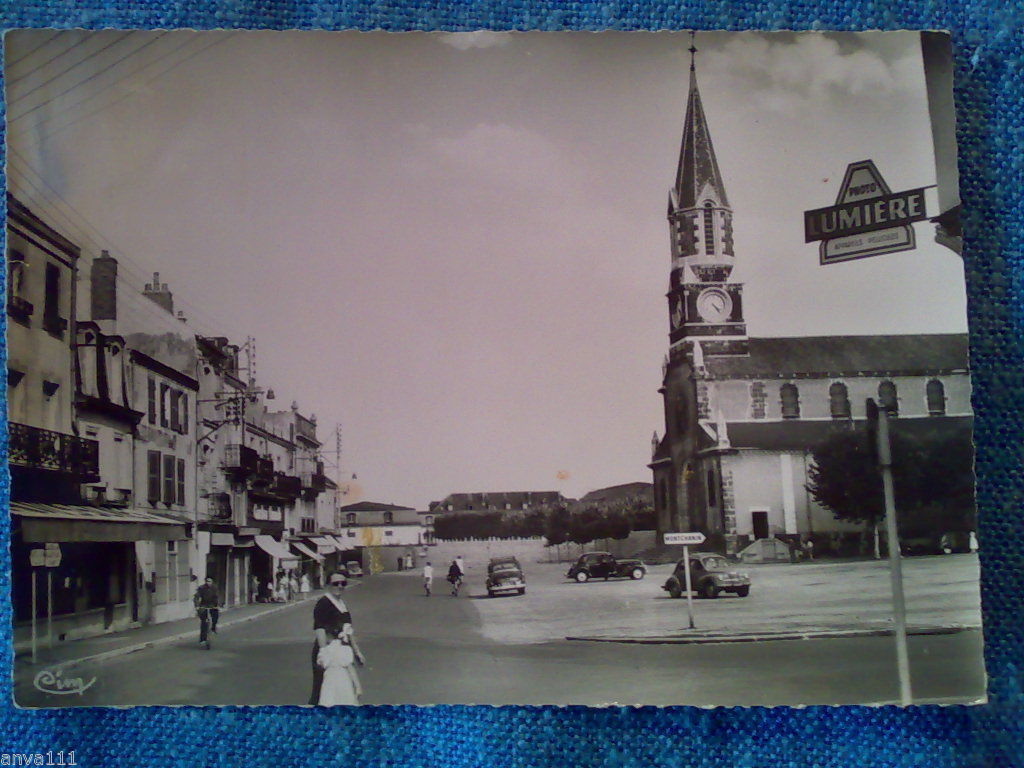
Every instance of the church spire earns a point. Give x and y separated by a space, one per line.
697 177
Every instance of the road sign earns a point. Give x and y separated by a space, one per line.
686 539
868 219
53 555
37 558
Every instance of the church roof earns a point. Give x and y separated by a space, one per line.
697 163
836 356
802 435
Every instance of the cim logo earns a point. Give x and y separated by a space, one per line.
53 682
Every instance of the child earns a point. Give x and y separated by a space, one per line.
341 683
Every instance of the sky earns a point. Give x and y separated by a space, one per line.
455 245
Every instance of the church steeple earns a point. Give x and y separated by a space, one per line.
702 303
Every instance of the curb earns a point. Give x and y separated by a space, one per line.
134 647
755 637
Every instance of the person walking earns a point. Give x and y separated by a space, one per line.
207 603
330 615
428 576
461 564
340 680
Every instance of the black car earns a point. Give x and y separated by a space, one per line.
709 577
604 565
505 575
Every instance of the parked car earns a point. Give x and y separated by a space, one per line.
709 576
353 569
505 575
604 565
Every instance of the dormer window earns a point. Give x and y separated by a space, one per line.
389 518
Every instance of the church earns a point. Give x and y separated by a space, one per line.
742 413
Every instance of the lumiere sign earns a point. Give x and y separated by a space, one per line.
867 220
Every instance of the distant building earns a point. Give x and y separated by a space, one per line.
742 415
497 500
382 533
618 493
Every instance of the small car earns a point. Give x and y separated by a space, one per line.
501 562
353 569
505 576
709 577
604 565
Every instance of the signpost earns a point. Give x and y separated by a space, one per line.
49 557
687 540
868 219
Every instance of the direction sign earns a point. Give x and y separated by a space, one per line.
868 219
37 558
686 539
52 555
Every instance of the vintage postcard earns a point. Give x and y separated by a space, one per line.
486 368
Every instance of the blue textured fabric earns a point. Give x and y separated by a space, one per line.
988 42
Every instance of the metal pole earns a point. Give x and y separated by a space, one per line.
895 566
34 655
49 608
689 594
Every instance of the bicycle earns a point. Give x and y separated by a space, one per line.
206 629
456 586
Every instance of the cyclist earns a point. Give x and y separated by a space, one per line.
455 577
207 603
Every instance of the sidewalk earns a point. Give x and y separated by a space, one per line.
115 644
765 633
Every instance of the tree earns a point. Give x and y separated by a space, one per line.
933 479
556 527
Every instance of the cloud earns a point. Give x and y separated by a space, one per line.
789 68
480 39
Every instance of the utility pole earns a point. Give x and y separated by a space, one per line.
879 419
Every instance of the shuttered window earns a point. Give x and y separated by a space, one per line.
153 476
181 483
169 484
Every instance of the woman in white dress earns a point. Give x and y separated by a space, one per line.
341 682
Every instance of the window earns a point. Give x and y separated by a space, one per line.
172 547
428 520
389 518
52 321
165 393
351 534
712 489
169 484
839 400
709 229
180 485
935 392
151 393
887 397
183 413
17 306
350 518
387 533
153 475
175 420
790 396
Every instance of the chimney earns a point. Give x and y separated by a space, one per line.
158 293
103 284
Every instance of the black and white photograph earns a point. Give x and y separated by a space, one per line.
546 368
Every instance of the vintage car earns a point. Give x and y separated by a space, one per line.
504 576
604 565
353 569
709 577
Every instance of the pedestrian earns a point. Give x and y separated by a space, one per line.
207 603
340 685
330 615
972 542
455 577
428 576
304 584
462 566
254 588
810 548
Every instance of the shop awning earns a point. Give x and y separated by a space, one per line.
66 522
274 548
230 540
339 543
307 551
324 544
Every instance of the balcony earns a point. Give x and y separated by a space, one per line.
286 485
55 324
19 309
45 449
240 460
314 482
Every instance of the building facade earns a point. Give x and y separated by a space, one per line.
743 414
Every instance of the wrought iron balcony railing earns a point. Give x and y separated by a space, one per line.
54 451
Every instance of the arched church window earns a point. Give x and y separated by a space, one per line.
887 397
790 397
839 400
709 229
935 392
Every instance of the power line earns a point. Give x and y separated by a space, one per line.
42 136
46 40
22 96
93 76
18 161
127 263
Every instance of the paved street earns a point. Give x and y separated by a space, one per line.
473 649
